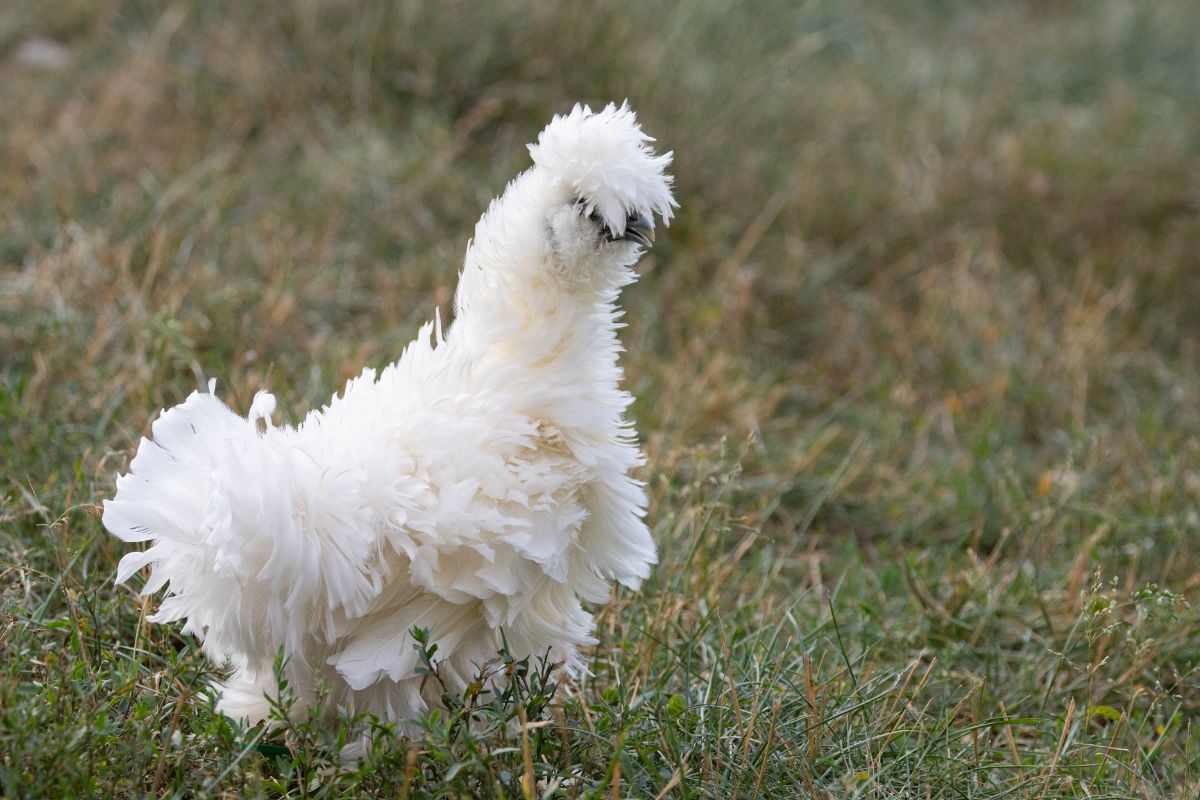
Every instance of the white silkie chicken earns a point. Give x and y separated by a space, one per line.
477 487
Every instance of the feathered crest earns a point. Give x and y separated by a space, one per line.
606 160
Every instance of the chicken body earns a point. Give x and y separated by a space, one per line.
478 487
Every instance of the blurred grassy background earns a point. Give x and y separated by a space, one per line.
915 365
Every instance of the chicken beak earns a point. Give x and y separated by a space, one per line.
640 229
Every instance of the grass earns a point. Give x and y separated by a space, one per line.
915 367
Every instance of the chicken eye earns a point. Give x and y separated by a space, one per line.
582 205
637 226
593 216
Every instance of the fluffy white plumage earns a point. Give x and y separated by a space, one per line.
479 484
